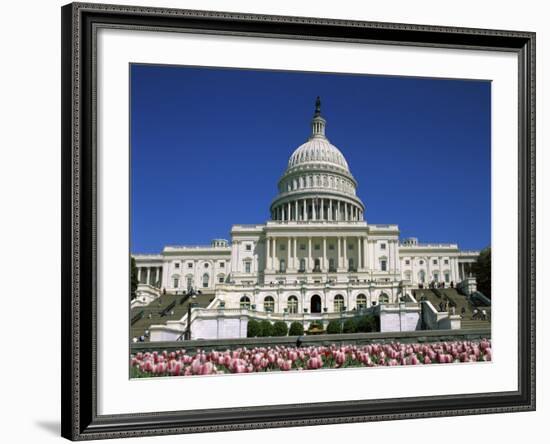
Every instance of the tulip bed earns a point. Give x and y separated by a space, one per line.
281 358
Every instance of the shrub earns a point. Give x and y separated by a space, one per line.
266 329
367 324
253 328
280 328
334 327
296 329
350 326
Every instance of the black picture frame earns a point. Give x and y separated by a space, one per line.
79 171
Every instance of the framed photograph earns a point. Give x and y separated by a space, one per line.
275 221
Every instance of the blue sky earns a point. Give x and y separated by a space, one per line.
208 146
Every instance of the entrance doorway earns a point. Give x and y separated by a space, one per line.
316 303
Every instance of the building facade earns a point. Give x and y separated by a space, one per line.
317 253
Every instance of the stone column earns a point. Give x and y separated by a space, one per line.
148 281
288 255
359 254
345 211
345 248
338 210
273 253
324 265
160 276
289 215
365 254
296 212
268 253
309 256
296 264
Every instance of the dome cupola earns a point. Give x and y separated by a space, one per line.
317 184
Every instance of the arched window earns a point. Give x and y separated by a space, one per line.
269 304
292 304
189 281
338 303
384 299
176 282
245 302
205 280
436 276
447 275
407 275
361 301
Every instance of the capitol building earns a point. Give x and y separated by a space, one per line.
316 257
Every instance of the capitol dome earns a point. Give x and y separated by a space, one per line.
317 184
318 150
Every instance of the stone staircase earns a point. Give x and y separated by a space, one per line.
459 301
161 310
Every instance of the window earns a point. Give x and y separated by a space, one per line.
350 247
206 265
384 265
302 246
269 304
176 282
317 265
446 261
247 266
205 280
221 279
245 303
222 264
331 265
292 304
436 277
302 265
351 264
382 246
189 282
361 301
248 247
282 265
447 277
421 262
338 303
177 265
317 246
435 261
422 276
331 246
190 265
282 247
407 262
384 299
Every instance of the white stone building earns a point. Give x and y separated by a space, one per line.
317 253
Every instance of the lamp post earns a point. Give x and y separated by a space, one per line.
193 296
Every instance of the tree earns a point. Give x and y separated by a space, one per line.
280 328
253 328
296 329
133 278
266 328
482 271
366 324
350 326
334 327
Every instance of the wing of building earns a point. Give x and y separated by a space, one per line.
317 253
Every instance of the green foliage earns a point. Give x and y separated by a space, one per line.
334 327
133 278
253 329
350 326
266 329
296 329
482 271
280 328
366 324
